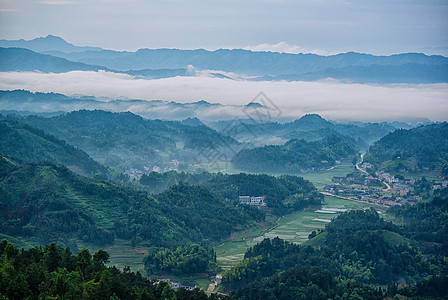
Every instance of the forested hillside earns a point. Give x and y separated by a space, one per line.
413 150
52 272
125 140
295 156
426 221
183 260
356 248
33 145
310 127
49 203
284 194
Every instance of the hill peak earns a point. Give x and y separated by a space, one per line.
47 44
192 122
311 121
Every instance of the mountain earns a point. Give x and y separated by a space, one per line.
259 66
192 122
310 121
295 156
283 194
33 145
23 102
356 249
414 150
126 141
44 44
310 127
245 61
18 59
46 202
382 74
268 66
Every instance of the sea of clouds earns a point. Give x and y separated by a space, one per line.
330 98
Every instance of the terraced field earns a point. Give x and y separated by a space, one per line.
294 228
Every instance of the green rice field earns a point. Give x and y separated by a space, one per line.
294 228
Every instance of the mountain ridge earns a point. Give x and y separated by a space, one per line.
252 65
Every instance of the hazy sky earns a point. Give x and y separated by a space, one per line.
322 26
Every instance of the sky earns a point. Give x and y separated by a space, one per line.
316 26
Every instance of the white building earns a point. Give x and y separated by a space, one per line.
253 200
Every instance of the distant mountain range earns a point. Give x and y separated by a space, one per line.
217 115
266 66
48 104
48 43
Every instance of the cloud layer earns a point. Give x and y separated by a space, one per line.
331 99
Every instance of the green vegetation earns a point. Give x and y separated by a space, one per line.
302 282
53 272
284 194
207 215
33 145
294 228
414 150
357 245
426 221
322 178
356 249
125 140
184 260
274 269
51 204
295 156
310 127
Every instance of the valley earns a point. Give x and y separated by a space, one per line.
324 191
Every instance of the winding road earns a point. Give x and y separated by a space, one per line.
364 171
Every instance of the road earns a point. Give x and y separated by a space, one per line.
358 164
364 171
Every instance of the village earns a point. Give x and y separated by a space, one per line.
382 188
136 174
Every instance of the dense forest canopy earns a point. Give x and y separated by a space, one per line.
357 248
48 202
188 259
125 140
52 272
285 194
33 145
295 156
413 150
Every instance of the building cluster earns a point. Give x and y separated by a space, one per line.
136 174
177 285
364 187
253 200
406 187
361 180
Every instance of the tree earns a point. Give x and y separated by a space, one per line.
101 257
